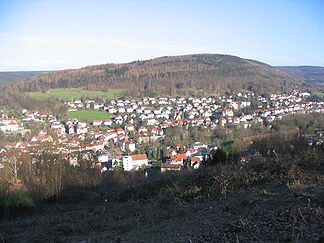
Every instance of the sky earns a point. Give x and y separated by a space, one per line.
62 34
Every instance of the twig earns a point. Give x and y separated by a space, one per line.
275 153
2 238
308 203
255 237
302 216
195 238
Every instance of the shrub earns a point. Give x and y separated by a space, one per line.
19 199
16 204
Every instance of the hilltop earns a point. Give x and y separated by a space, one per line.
177 75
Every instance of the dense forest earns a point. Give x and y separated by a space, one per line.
180 75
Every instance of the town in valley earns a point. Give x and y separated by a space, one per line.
167 133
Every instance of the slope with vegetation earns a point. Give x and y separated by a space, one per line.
274 195
310 74
12 77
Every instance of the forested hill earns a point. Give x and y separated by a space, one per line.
311 74
179 75
11 77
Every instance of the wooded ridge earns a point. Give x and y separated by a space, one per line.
176 75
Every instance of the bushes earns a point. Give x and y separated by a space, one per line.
226 176
287 163
15 204
19 199
227 155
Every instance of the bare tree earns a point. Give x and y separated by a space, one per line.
13 158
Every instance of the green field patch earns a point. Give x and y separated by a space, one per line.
320 94
76 94
88 115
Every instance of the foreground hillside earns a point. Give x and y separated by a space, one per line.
179 75
310 74
11 77
263 199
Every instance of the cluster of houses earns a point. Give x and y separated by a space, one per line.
193 156
10 125
206 111
141 121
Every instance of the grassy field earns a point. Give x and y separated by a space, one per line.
320 94
88 115
76 94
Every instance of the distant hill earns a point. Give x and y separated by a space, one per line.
177 75
310 74
11 77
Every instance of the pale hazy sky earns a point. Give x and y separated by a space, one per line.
60 34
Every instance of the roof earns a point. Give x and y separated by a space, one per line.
179 157
41 137
9 120
173 166
195 159
139 157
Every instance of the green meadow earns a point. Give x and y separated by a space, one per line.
77 94
88 115
320 94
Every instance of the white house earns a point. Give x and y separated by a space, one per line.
81 130
170 167
96 123
103 158
108 122
42 138
129 145
131 162
227 112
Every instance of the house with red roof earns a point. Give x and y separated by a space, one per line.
131 162
9 125
42 138
227 112
178 159
195 162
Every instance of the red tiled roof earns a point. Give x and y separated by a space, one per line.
139 157
195 159
179 157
